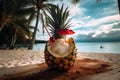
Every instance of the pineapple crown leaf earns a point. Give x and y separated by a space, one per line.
58 18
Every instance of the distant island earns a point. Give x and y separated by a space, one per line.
97 40
40 41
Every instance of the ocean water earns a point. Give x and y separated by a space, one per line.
107 47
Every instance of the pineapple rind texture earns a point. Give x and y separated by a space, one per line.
60 63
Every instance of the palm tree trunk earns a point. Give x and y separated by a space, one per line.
35 30
2 25
13 41
118 5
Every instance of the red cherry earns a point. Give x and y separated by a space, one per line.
52 39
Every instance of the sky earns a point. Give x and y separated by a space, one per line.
92 21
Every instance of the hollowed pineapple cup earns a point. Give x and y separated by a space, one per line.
60 63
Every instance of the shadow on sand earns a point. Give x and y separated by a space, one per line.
81 70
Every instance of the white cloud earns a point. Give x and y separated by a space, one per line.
75 23
88 17
102 29
102 20
97 33
115 29
97 23
75 9
84 32
106 28
116 23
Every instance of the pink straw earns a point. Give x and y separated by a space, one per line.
47 30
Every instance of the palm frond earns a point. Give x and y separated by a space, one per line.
25 11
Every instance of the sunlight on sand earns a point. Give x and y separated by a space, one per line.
13 58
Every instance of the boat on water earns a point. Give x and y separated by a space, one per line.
101 46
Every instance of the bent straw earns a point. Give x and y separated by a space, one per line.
47 30
51 38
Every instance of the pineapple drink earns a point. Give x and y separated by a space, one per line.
60 47
62 59
60 53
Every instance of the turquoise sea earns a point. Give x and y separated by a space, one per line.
99 47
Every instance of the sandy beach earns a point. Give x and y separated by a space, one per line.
13 58
13 61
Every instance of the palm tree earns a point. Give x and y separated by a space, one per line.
13 15
39 5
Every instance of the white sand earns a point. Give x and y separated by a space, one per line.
13 58
16 61
109 57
